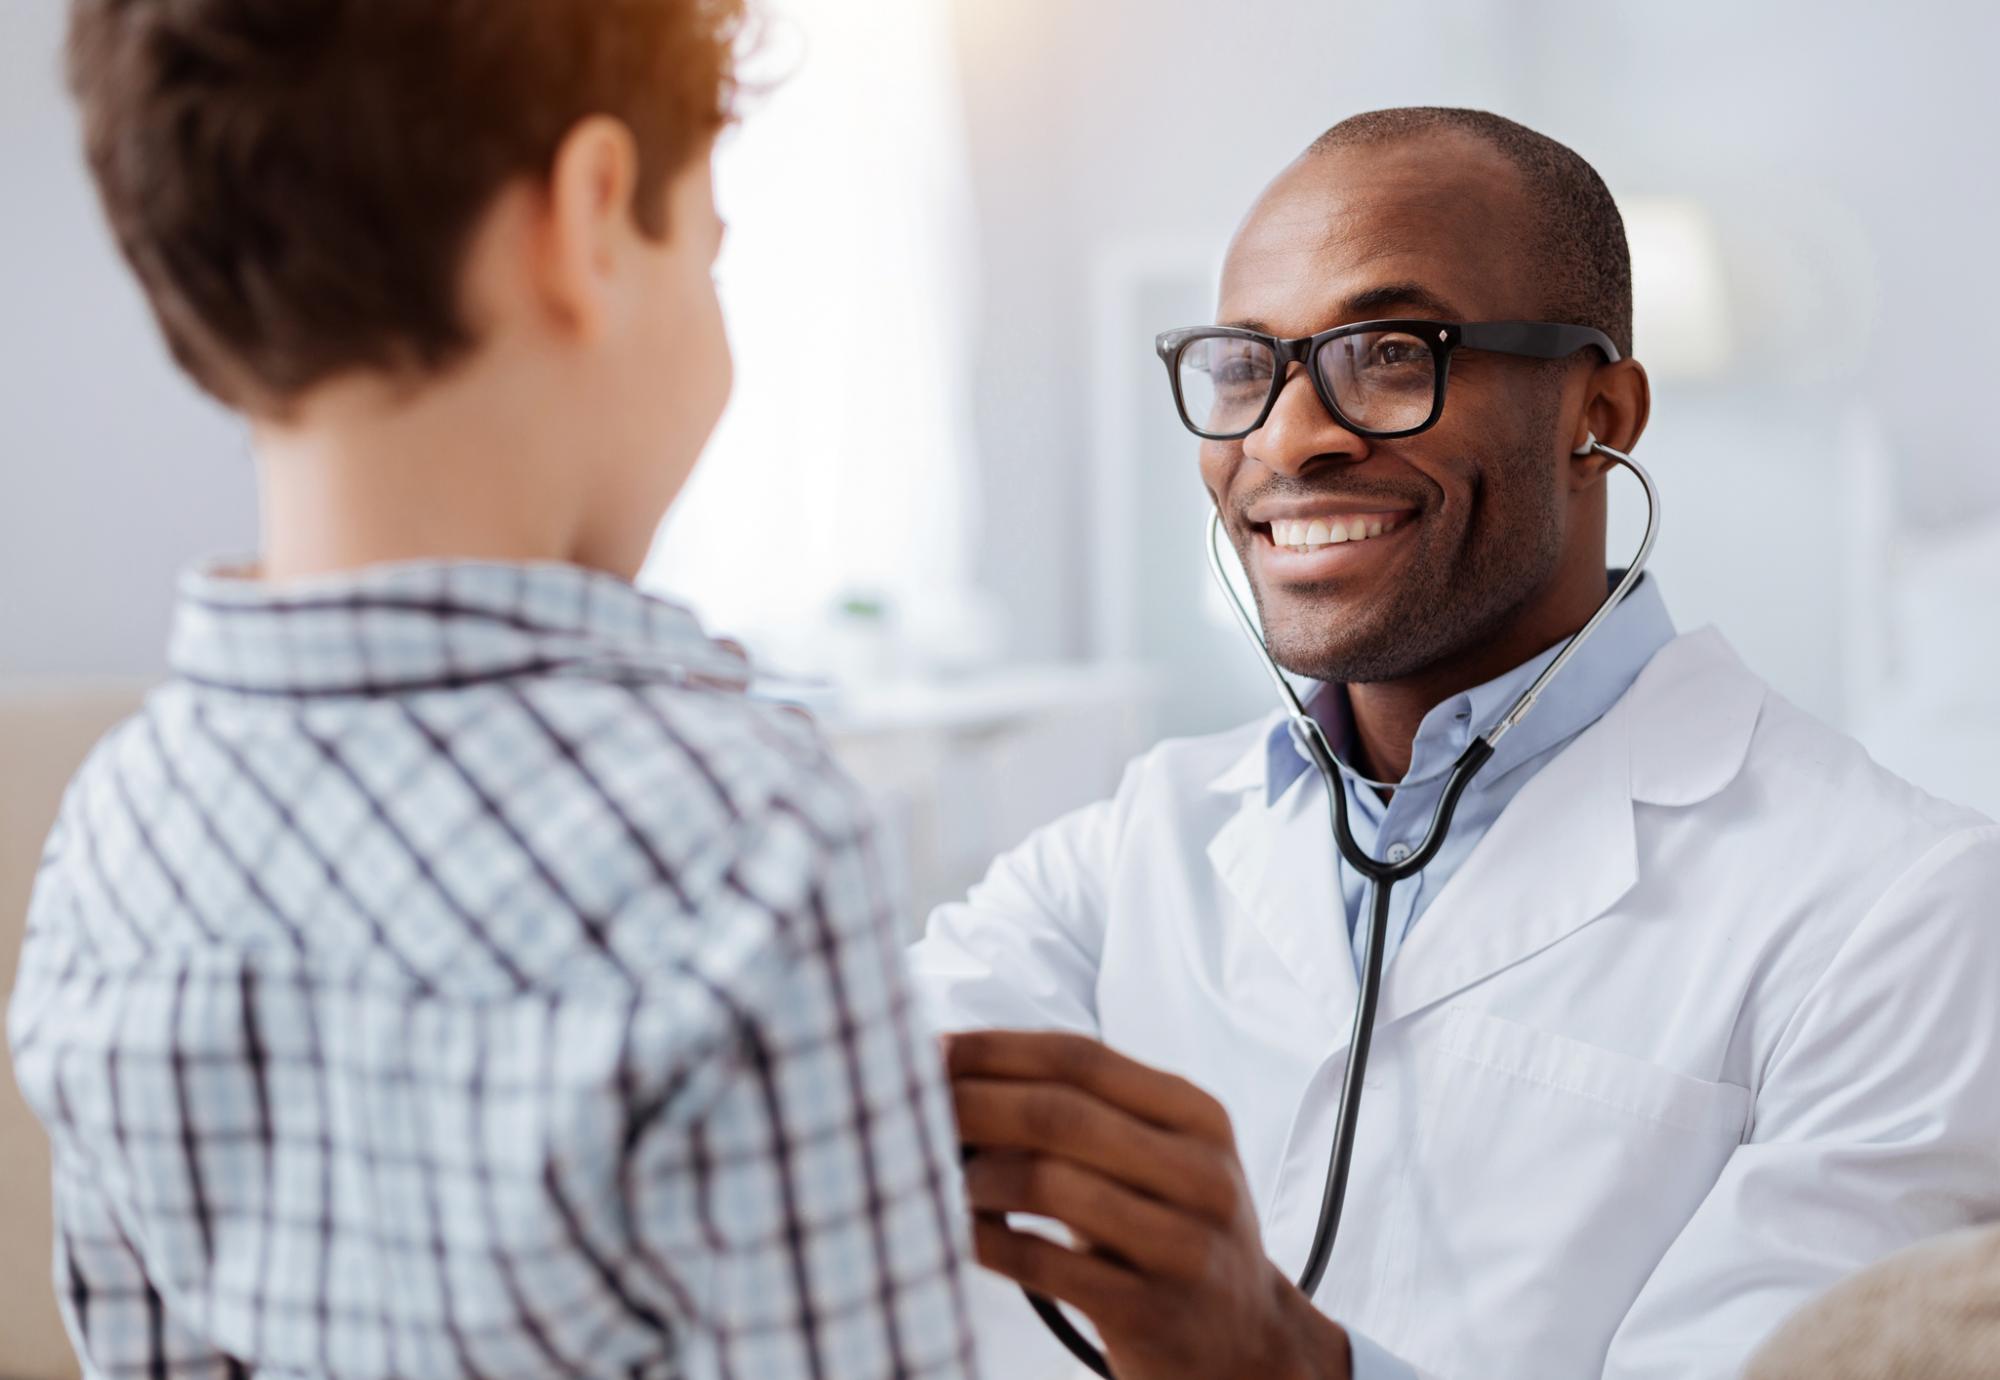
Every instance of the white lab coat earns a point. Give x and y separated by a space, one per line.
1709 1018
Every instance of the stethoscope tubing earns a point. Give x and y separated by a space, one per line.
1382 875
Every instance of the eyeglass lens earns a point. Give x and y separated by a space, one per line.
1380 380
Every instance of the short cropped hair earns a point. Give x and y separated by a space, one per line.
1576 235
296 182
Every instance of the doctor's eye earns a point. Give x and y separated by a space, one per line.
1231 361
1364 371
1398 351
1243 373
1229 366
1223 382
1381 355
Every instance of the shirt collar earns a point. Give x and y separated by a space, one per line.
398 629
1594 680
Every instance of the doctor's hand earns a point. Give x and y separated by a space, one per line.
1142 1167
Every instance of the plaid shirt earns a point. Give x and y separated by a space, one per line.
452 973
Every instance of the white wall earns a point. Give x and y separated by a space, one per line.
113 473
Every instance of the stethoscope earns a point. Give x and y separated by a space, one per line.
1382 876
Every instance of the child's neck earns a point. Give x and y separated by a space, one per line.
364 475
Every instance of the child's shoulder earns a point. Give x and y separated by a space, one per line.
670 743
490 808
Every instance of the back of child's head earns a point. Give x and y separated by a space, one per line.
296 182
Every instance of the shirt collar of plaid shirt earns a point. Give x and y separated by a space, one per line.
407 628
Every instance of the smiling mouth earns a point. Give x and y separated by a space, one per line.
1303 536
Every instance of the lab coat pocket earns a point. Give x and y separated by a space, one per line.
1551 1177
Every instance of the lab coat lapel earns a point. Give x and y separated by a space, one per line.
1561 854
1277 862
1566 849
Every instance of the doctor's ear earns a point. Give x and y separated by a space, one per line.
1617 401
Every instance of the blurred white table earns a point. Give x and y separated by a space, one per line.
962 770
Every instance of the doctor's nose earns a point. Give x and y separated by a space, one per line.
1300 432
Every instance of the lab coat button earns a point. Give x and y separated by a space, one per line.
1398 852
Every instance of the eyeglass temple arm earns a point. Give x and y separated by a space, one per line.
1535 339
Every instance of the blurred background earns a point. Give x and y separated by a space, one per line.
973 516
967 530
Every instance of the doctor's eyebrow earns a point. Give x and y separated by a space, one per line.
1365 305
1376 303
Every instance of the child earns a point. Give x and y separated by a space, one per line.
451 972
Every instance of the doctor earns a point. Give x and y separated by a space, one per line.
1697 1011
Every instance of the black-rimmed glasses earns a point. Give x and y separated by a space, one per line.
1379 379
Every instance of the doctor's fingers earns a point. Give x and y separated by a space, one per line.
1059 1057
1058 1120
1106 1292
1156 1238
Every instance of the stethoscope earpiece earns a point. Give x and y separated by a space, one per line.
1589 444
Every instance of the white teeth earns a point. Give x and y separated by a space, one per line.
1314 533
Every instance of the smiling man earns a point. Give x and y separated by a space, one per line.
1694 1011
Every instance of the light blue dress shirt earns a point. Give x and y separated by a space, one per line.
1599 675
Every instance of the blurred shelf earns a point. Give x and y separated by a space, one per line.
988 702
960 771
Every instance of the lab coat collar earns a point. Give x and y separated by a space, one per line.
1710 688
1691 715
1291 894
1676 738
1251 769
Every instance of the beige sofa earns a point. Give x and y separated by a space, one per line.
45 732
1930 1312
